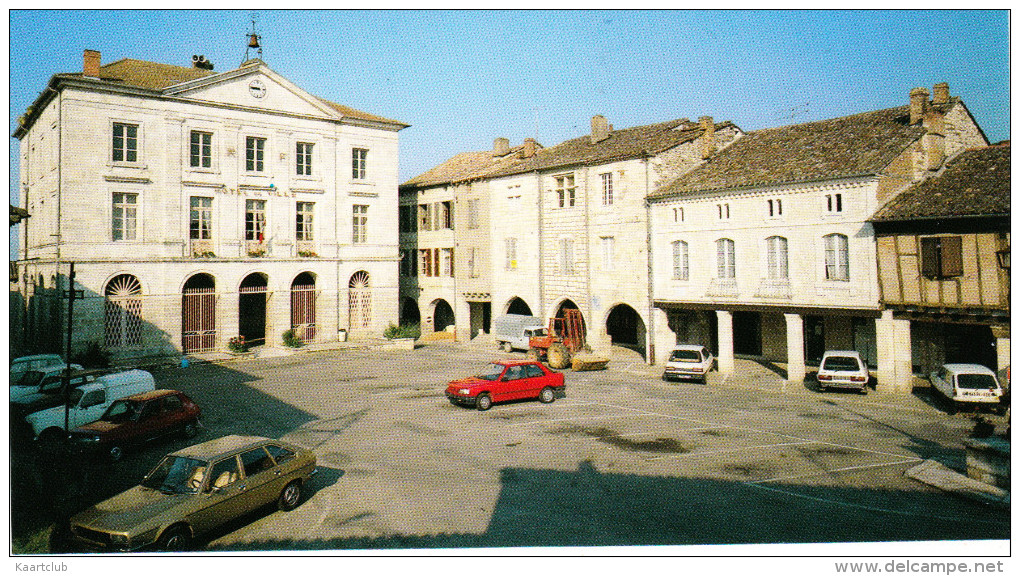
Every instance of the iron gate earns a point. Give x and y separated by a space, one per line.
302 312
199 311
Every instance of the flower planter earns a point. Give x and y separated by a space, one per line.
401 344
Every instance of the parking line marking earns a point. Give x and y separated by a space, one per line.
872 508
833 471
730 450
763 431
577 418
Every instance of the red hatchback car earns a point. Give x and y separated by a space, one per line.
138 418
507 380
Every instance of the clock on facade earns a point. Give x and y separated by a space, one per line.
256 88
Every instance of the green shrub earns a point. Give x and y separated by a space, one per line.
290 338
94 356
402 331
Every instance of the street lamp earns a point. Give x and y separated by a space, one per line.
1003 258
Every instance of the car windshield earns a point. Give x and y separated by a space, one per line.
977 381
177 475
840 364
120 411
491 372
685 356
536 332
30 378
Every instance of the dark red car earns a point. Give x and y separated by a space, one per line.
139 418
507 380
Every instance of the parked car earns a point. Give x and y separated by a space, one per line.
88 402
967 385
507 380
514 331
139 418
49 392
38 383
843 369
689 362
195 490
25 363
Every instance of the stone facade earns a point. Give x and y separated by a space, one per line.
239 176
774 256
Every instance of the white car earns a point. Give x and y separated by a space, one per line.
689 362
25 363
843 369
967 384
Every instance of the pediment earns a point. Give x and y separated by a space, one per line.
256 87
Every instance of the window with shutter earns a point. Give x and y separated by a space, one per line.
942 256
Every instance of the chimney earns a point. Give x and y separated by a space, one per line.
501 147
199 61
940 94
528 150
708 138
90 63
599 128
918 104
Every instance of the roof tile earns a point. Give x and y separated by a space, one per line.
840 147
975 183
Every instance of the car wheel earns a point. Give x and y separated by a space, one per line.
190 429
864 391
546 395
507 347
115 453
52 435
483 403
175 539
290 496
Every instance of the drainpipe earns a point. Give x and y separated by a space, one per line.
541 242
588 252
60 158
650 333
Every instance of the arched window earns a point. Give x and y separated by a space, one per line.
680 265
837 258
725 258
123 312
777 257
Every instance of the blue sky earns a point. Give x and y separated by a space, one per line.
463 78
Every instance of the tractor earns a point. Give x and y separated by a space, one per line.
564 338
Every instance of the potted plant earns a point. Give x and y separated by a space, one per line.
403 336
237 345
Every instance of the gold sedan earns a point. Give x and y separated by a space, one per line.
195 490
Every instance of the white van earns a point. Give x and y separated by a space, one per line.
967 384
513 331
89 402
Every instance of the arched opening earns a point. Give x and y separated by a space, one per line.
251 308
123 312
360 302
518 306
568 303
198 314
442 316
626 328
409 313
302 306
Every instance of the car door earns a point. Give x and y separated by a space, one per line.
262 478
222 494
147 423
536 380
172 416
89 409
514 383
